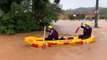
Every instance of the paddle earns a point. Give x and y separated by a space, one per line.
81 25
78 28
44 43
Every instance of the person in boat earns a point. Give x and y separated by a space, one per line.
87 30
53 34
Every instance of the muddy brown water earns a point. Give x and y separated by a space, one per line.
13 47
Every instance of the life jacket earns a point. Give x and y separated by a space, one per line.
87 31
53 34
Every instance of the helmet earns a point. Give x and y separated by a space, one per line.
88 24
50 27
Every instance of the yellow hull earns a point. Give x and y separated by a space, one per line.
38 41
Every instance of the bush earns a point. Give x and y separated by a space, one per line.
21 18
71 17
7 24
11 23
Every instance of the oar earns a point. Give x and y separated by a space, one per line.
44 33
81 25
78 28
44 43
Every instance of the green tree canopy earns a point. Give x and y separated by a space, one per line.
27 15
5 5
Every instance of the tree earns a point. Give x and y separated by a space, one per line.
56 1
44 10
22 16
5 5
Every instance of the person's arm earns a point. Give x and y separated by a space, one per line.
82 26
51 32
47 30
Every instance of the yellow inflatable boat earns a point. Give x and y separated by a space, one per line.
39 41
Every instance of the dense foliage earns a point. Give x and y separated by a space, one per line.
27 15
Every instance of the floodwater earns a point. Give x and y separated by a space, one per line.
14 48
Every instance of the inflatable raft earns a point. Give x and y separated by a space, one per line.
39 41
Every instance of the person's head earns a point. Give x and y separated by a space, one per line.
87 24
50 27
